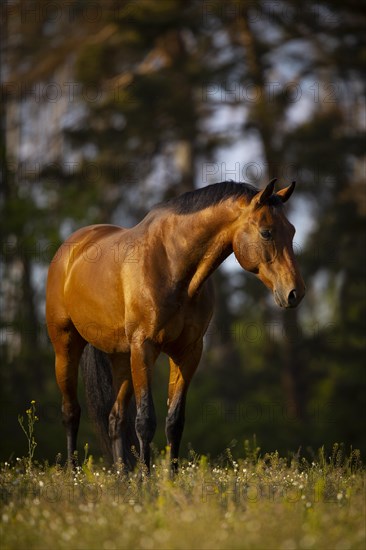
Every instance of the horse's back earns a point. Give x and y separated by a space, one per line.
92 234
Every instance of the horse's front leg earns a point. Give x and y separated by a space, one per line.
182 369
143 357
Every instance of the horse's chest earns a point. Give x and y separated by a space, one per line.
184 322
170 323
167 317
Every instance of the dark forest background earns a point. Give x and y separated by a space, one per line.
109 107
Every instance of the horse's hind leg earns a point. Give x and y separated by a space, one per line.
122 383
68 346
182 369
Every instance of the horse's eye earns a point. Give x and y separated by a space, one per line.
266 234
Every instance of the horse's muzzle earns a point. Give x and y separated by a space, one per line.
290 299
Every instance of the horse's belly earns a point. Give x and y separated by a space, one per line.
108 338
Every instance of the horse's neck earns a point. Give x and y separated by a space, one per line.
196 244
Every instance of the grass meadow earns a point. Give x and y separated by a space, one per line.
257 501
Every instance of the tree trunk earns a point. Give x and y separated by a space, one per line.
293 367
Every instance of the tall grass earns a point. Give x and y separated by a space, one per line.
254 502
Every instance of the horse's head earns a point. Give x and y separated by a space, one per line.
262 244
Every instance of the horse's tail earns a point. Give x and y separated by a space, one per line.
99 395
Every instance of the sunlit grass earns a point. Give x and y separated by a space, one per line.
254 502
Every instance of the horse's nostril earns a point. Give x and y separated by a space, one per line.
292 298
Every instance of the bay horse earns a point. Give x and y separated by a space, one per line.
133 293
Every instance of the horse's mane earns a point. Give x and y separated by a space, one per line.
194 201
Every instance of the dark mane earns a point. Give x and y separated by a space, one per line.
194 201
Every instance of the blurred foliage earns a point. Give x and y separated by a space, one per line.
139 128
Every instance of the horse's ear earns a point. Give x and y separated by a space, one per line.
267 192
286 193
